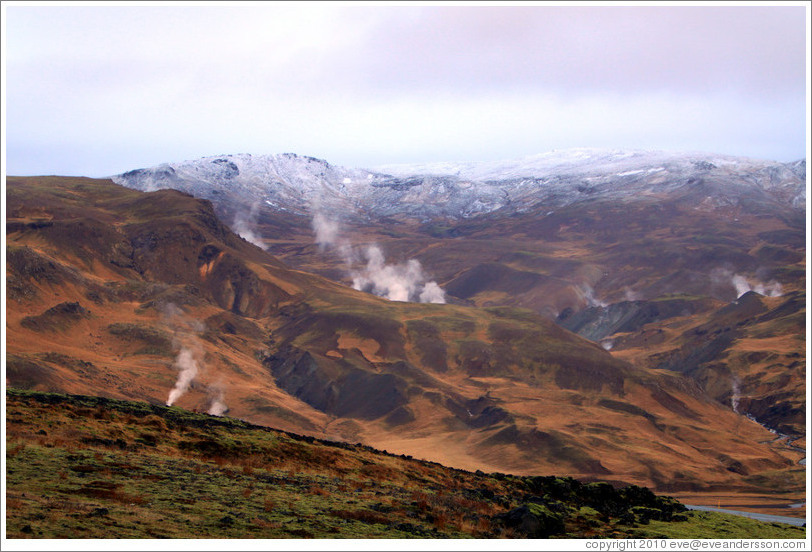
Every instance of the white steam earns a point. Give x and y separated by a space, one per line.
631 295
735 395
189 361
218 406
245 224
187 366
326 231
587 294
432 293
397 282
743 285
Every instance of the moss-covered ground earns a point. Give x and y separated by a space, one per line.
87 467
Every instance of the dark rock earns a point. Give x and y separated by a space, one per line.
226 521
644 514
532 521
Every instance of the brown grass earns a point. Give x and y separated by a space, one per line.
440 521
14 451
318 490
365 516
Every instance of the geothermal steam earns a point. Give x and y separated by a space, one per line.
735 394
218 406
189 360
743 285
245 224
587 294
326 232
188 368
396 282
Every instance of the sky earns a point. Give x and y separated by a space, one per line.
99 89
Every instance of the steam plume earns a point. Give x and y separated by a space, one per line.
245 224
725 277
400 282
587 294
187 362
218 406
735 395
631 295
396 282
188 367
326 231
743 285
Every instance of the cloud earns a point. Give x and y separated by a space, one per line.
755 50
361 85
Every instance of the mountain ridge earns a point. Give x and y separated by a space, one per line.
303 184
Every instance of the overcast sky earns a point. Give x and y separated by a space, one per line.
97 90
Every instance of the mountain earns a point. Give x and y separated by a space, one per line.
149 296
623 247
301 184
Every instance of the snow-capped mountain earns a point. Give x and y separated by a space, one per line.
301 184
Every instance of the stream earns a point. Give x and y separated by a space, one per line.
760 517
788 439
788 442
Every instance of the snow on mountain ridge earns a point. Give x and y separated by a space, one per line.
304 185
567 161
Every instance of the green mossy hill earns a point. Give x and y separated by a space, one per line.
90 467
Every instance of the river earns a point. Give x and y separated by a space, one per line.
760 517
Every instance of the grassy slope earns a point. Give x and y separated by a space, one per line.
86 467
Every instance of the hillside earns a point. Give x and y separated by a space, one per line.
87 467
150 297
586 232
